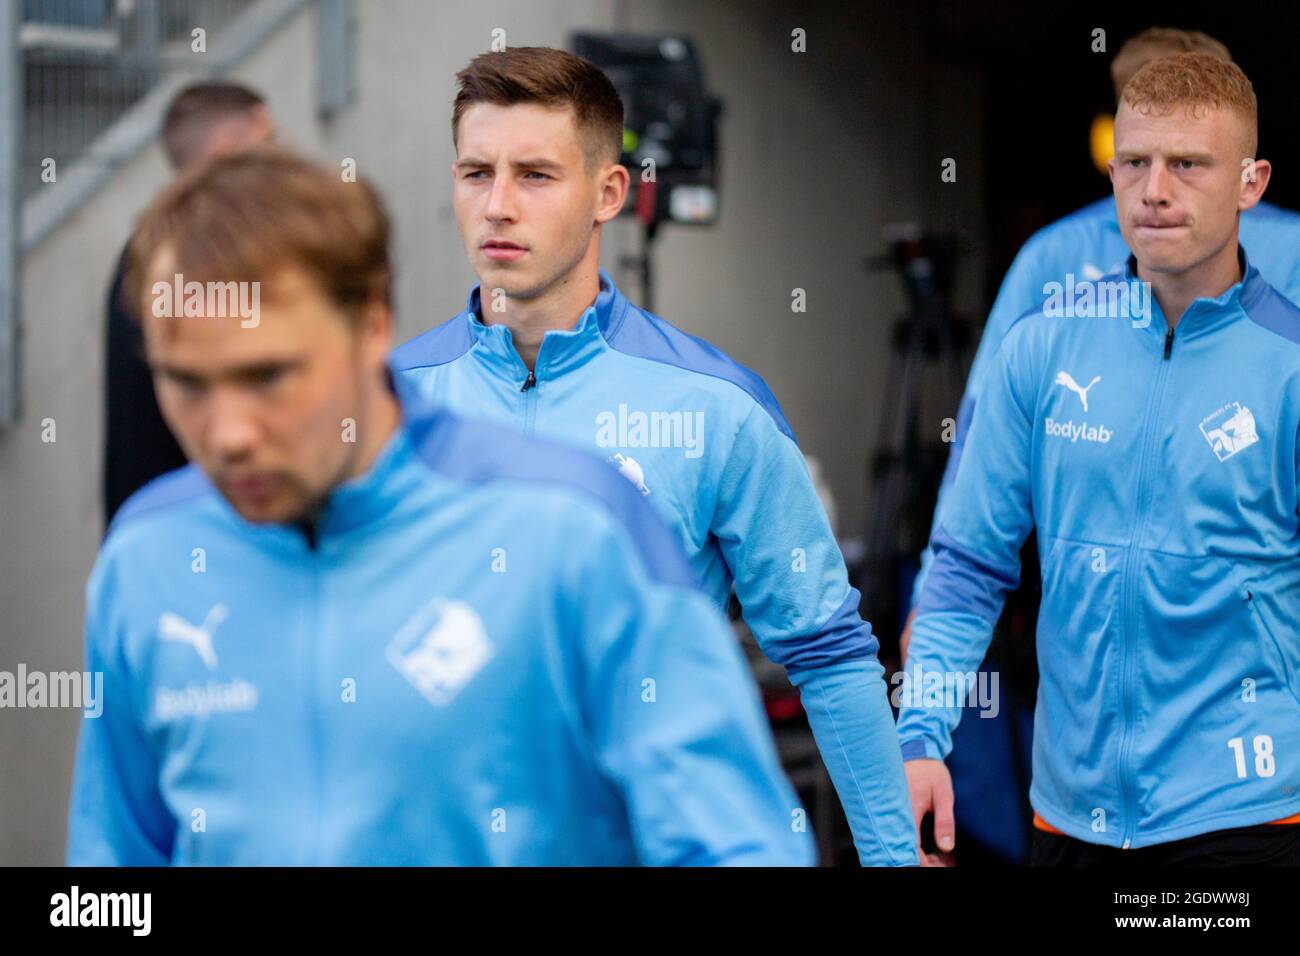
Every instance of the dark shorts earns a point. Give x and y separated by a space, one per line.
1265 844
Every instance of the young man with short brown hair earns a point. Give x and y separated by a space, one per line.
549 344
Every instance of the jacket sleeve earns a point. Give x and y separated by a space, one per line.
794 591
117 816
1021 290
977 551
672 710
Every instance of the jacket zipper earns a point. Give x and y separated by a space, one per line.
314 731
529 391
1130 587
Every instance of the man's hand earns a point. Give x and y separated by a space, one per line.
930 786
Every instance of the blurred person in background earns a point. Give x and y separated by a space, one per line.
203 120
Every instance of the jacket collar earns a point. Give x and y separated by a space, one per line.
1208 314
380 489
391 479
562 351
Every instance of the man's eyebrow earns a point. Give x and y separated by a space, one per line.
175 371
246 370
473 162
262 366
537 164
1172 155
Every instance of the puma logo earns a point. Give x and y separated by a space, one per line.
173 627
1064 378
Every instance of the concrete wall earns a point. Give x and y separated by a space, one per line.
820 151
50 497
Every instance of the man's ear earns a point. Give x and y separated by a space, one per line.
375 328
614 183
1255 174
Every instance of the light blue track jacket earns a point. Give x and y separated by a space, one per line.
492 652
704 441
1162 473
1087 244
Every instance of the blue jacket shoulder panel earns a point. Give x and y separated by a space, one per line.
1022 334
1267 213
175 488
641 334
440 345
1098 211
477 452
1273 311
1082 225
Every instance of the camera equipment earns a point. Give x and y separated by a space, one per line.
670 132
906 467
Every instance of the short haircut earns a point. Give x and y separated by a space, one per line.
195 110
1195 80
247 215
1155 42
552 78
